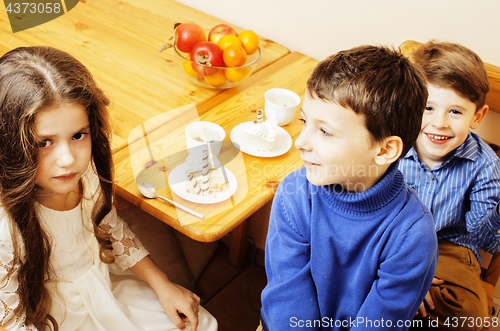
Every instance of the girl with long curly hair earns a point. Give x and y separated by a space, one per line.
60 235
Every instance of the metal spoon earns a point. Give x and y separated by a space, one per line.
149 192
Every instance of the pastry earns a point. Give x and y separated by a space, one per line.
216 182
202 178
260 135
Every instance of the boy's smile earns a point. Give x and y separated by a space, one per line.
336 146
445 124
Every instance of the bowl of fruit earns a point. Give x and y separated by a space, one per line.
222 60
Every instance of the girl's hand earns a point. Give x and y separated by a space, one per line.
180 304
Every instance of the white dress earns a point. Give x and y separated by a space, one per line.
91 294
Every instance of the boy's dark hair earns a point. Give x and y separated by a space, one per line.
380 84
454 66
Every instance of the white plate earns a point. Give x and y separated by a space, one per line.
282 144
179 188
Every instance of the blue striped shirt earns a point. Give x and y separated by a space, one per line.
462 194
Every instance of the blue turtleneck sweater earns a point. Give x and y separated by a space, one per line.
337 260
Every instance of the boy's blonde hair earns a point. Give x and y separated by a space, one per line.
450 65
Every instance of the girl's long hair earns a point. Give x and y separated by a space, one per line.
33 79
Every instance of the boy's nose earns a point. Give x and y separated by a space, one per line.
302 142
439 120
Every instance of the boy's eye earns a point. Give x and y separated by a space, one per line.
455 111
428 108
326 133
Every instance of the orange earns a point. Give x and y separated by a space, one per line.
237 74
234 56
216 79
250 41
189 69
227 40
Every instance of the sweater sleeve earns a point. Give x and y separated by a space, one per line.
290 295
404 277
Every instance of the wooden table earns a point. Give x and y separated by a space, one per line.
118 41
257 177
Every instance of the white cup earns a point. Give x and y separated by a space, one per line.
203 133
282 103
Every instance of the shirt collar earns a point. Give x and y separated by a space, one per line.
412 154
468 149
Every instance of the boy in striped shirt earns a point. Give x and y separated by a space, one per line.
457 175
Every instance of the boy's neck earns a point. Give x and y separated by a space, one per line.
431 163
366 185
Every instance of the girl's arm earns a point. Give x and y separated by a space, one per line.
9 284
175 300
130 254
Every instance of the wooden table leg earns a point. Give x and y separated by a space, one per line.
238 249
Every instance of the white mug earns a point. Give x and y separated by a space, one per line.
282 103
202 133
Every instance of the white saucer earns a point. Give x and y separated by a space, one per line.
282 144
179 188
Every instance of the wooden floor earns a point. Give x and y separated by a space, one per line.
232 294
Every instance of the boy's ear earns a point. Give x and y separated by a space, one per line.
390 150
479 116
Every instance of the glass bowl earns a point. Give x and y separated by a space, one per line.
233 75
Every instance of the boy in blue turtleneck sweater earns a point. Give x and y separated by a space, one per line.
350 245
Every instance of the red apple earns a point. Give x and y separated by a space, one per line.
187 35
220 30
209 54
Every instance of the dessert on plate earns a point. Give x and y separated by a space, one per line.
202 179
260 135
